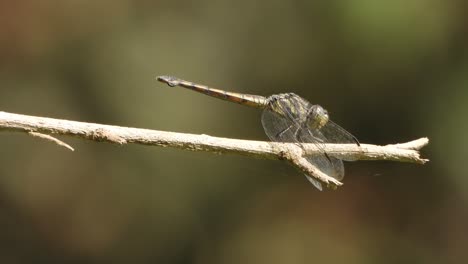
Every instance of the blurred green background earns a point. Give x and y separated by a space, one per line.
387 71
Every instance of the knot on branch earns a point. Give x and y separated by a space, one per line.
102 134
296 155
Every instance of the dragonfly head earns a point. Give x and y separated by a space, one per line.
317 116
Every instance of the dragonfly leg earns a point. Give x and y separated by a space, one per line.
296 136
357 141
281 133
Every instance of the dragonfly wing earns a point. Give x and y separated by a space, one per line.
284 128
279 128
314 182
281 119
336 134
329 165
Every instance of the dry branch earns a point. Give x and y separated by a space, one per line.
38 126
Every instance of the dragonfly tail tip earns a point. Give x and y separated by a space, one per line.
169 80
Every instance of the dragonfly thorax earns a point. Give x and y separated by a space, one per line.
317 117
290 106
298 110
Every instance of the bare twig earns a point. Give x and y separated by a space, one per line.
51 138
415 144
405 152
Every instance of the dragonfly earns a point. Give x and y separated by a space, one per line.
287 117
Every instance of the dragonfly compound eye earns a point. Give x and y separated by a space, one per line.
318 117
322 119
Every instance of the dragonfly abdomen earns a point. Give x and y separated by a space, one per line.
256 101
